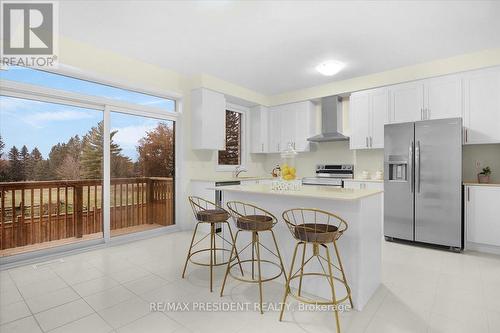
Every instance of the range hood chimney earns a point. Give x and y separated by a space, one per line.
331 121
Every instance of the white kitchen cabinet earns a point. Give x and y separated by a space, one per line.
304 126
208 120
482 106
434 98
274 130
259 118
407 102
482 211
367 184
359 113
291 124
369 111
443 97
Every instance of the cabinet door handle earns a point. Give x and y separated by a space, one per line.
366 139
371 141
466 139
468 193
262 147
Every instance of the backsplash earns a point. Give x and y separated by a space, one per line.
333 153
486 155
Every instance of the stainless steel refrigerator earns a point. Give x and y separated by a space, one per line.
423 182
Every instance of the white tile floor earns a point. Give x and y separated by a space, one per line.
110 290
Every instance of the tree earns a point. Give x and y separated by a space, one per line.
69 169
93 151
25 157
156 152
15 165
4 165
2 146
39 169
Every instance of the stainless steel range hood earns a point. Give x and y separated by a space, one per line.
331 121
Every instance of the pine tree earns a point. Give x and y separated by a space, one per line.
39 169
2 146
24 157
93 151
3 164
15 165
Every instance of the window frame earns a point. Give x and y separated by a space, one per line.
16 89
244 111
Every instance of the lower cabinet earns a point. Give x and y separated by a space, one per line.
482 215
359 185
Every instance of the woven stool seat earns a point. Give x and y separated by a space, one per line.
316 233
212 215
255 222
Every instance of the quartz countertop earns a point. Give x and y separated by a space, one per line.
230 178
475 183
320 192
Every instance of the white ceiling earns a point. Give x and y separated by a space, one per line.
272 47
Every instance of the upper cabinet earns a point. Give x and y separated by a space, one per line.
443 97
208 119
368 111
434 98
482 106
284 124
259 117
407 102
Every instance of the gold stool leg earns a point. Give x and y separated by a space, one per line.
343 273
287 285
212 234
253 254
190 248
233 249
257 247
334 298
279 255
302 269
236 250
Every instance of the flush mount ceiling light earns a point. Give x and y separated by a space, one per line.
329 68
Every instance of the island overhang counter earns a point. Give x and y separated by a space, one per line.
359 246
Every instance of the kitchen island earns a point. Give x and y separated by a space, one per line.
360 246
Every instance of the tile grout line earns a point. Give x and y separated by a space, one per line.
24 300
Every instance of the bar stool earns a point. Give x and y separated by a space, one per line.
317 228
208 212
250 218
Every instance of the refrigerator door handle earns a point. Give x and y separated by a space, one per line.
417 166
410 168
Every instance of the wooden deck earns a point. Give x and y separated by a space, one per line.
33 214
72 240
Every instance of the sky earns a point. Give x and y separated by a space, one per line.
42 125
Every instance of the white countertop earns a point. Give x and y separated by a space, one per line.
229 178
320 192
475 183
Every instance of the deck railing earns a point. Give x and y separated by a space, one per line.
35 212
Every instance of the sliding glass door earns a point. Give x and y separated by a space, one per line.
142 167
50 174
80 167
